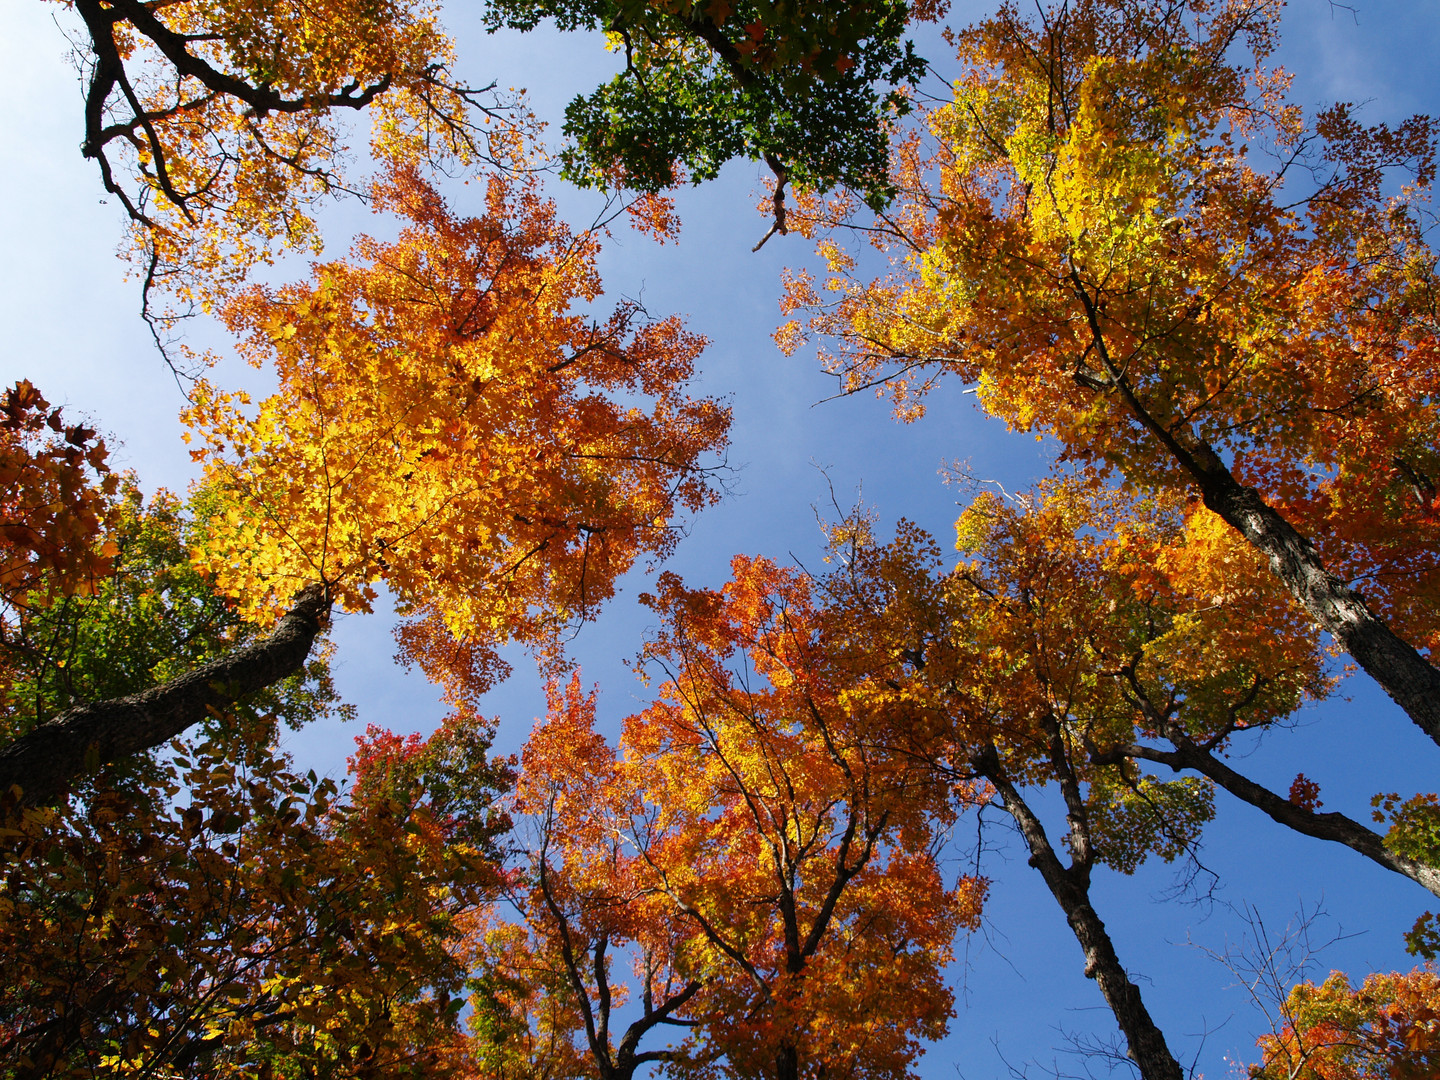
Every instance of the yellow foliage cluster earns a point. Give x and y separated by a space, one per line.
1085 238
219 124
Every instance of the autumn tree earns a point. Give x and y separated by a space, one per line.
446 424
993 682
812 811
1384 1030
47 752
765 857
1196 638
808 88
258 924
580 911
88 576
1085 633
1088 235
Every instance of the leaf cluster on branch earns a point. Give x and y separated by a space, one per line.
219 126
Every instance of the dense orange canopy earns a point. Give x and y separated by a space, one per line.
755 842
449 424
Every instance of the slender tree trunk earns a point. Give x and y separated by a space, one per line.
1334 827
45 762
1147 1046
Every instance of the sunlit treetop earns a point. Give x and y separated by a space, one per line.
1123 233
1101 587
1388 1029
758 832
753 843
448 423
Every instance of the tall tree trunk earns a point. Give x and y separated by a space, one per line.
1071 890
1412 682
45 762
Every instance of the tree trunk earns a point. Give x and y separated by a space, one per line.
1412 682
1147 1046
787 1063
45 762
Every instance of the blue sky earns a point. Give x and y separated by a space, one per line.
69 323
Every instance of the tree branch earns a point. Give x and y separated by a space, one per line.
1335 827
45 762
1147 1046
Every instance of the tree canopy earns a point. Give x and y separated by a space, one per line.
1114 224
1100 254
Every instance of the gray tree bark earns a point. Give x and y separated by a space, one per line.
1071 888
45 762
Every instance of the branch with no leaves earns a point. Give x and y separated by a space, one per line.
782 177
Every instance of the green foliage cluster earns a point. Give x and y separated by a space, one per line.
1414 825
810 86
1135 817
1414 832
153 618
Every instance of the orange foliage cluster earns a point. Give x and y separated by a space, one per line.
1063 590
756 843
1075 627
55 490
447 424
1389 1029
219 124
